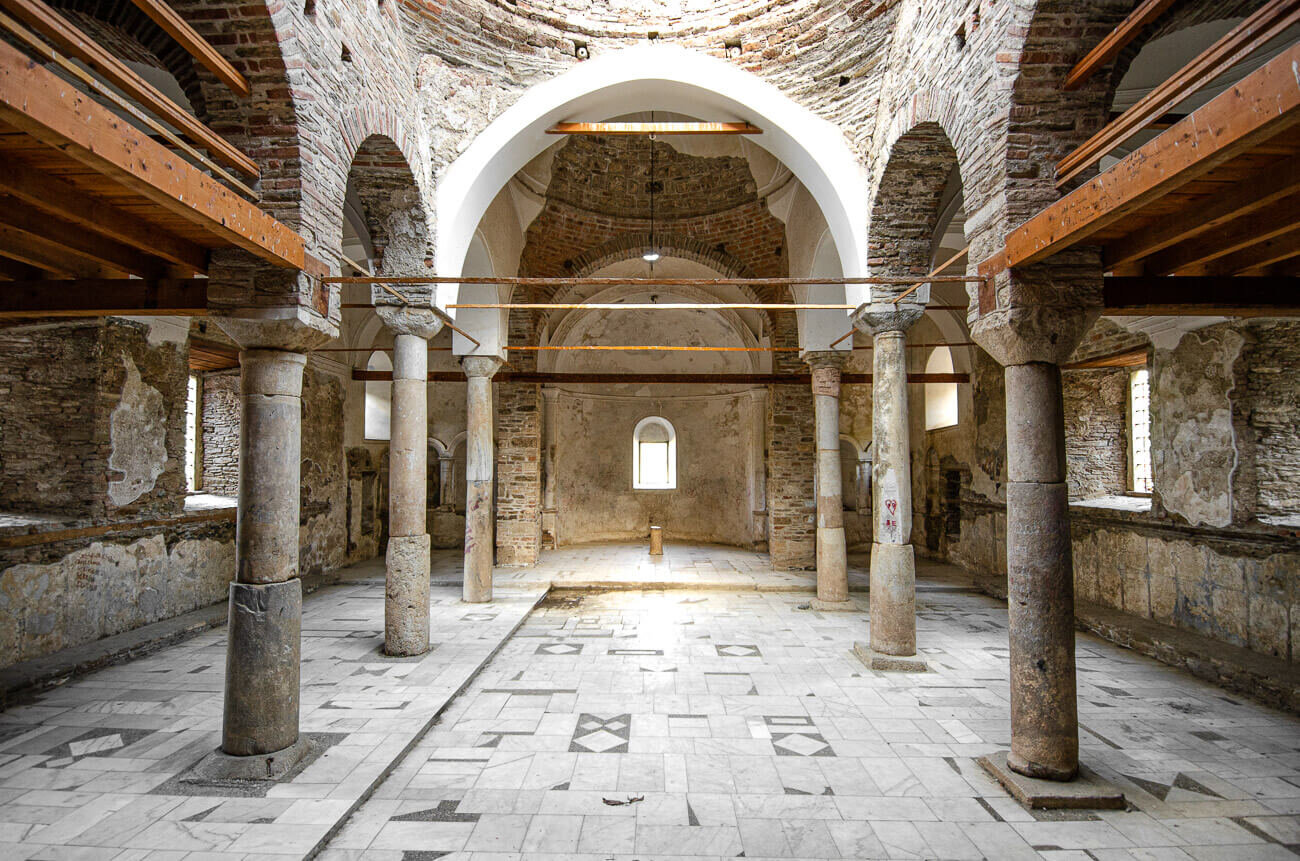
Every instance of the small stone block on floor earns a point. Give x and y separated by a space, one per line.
833 606
1088 791
889 663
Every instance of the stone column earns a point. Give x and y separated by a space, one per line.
550 461
893 564
758 464
406 583
1030 343
478 477
832 562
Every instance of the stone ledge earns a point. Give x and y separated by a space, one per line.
1086 792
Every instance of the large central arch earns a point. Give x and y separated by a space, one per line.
641 78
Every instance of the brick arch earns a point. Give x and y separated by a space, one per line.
391 198
905 211
632 245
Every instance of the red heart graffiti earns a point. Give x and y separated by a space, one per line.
892 505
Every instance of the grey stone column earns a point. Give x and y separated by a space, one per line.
893 563
1030 343
263 648
479 467
832 561
550 461
406 582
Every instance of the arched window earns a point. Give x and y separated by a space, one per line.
940 398
378 398
654 455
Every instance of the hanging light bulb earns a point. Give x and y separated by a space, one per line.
652 254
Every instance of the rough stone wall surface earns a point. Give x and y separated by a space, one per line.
323 531
220 428
1106 338
1096 439
1273 380
791 460
519 482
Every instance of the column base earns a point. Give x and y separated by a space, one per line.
219 765
889 663
844 606
406 596
1088 791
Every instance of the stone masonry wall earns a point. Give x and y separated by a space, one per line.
519 482
1273 380
791 461
1096 439
220 428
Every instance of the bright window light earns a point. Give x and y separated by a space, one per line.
654 455
1139 388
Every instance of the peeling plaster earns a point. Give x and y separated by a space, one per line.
138 434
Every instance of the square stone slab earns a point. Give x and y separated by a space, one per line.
1086 792
889 663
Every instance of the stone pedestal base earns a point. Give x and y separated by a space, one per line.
893 599
833 606
262 668
889 663
1086 792
406 596
218 765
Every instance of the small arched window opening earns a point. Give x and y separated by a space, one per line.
378 398
940 398
654 455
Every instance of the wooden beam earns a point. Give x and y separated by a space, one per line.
38 102
15 270
1135 358
685 128
1260 106
657 306
1257 258
45 255
1193 256
104 297
1268 22
1254 193
524 281
198 47
676 379
1108 48
78 241
63 199
1154 296
76 44
53 536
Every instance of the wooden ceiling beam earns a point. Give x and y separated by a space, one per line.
1256 259
41 104
1153 295
640 379
679 128
1254 193
1192 257
64 200
78 241
198 47
48 256
1134 358
1108 48
16 270
1262 105
76 44
1269 21
104 297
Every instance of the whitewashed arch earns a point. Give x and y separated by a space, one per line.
641 78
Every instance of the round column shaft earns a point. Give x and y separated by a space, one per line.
263 650
832 561
1040 578
406 591
478 477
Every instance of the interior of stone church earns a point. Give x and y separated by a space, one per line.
538 429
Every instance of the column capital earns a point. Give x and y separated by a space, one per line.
410 320
263 306
880 317
1033 333
481 366
817 359
287 329
550 392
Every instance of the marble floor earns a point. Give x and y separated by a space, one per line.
643 723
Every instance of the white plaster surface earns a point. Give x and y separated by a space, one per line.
138 432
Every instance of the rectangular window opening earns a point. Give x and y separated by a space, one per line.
192 435
1140 431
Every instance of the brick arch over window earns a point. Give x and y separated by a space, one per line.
393 205
906 209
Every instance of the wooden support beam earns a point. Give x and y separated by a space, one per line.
1196 256
657 306
198 47
45 255
78 241
15 270
524 281
38 102
1264 104
676 379
1250 195
1125 359
1268 22
76 44
1154 296
1256 259
682 128
1108 48
63 199
104 297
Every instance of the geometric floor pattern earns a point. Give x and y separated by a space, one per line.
658 739
645 724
